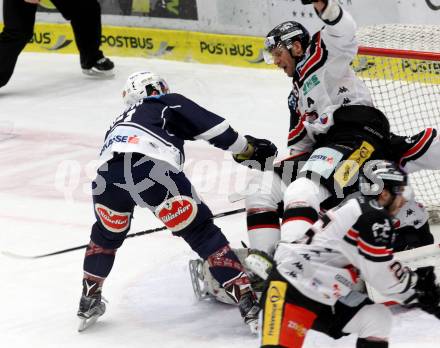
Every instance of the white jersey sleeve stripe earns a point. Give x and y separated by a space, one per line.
239 145
214 131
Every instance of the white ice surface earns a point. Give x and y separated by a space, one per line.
52 122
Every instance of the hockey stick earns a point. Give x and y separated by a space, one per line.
137 234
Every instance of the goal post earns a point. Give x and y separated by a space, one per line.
400 64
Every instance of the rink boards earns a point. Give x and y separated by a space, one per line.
233 50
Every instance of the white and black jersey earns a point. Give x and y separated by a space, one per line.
417 152
158 126
352 240
324 81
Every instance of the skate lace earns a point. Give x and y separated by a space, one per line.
89 303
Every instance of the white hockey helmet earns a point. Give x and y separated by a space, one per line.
143 84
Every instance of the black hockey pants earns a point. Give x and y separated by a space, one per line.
19 20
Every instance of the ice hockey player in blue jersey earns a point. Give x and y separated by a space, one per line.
141 165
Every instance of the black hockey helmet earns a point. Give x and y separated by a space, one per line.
381 174
286 34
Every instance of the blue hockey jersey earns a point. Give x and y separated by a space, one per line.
158 127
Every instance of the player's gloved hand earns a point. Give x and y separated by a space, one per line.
259 150
428 292
259 263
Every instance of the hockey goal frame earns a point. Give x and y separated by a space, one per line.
404 68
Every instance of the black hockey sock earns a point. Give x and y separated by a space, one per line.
300 213
98 261
364 343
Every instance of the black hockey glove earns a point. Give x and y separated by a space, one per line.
428 292
261 151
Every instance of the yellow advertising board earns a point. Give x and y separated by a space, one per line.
242 51
234 50
402 69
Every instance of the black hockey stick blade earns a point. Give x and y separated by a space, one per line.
141 233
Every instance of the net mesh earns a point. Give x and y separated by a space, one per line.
405 88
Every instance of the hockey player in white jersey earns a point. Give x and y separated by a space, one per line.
288 46
311 284
141 165
334 127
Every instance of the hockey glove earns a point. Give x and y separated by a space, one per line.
261 151
428 292
259 263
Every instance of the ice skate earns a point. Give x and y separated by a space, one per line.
249 310
102 68
199 284
90 309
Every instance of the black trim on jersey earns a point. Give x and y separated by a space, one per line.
350 241
336 21
297 138
263 218
422 150
312 50
375 258
300 213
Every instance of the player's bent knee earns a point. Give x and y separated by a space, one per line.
193 222
373 320
306 192
111 227
181 213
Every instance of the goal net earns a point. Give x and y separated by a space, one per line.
401 66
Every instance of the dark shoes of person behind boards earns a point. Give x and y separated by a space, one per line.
102 68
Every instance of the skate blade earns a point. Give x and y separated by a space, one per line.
94 73
253 326
199 287
86 323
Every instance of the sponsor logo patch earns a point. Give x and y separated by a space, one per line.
273 313
310 83
118 138
323 162
177 212
112 220
351 166
296 322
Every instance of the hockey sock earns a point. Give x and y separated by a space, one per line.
98 262
365 343
226 268
263 230
297 221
